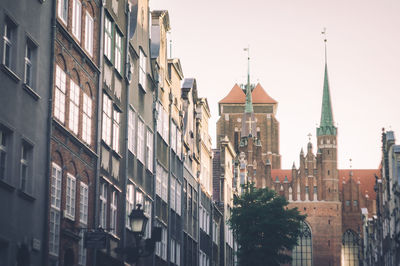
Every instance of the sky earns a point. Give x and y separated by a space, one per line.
287 58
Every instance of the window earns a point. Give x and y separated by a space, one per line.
178 254
116 121
178 198
56 186
178 143
302 253
26 160
147 212
87 119
130 203
28 64
164 192
350 249
59 104
173 137
149 150
9 38
103 206
172 199
131 131
142 70
76 18
63 10
74 107
83 203
140 141
54 237
70 201
355 203
113 214
118 52
3 154
172 249
82 253
107 37
347 202
107 112
158 180
89 33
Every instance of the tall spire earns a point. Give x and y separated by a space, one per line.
326 126
249 103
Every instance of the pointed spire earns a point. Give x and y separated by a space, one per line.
293 166
249 103
326 126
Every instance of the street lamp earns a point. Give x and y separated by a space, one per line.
138 220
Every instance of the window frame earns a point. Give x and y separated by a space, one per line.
74 101
142 69
83 203
60 94
89 30
4 138
118 52
116 130
62 10
114 212
70 197
87 119
26 168
149 150
107 119
132 117
76 27
108 37
103 205
141 141
9 39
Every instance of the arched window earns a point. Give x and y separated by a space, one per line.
350 248
302 253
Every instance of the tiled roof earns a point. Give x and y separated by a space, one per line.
366 177
259 95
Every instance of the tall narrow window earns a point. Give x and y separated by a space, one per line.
107 37
158 179
82 252
107 112
3 154
63 10
26 153
76 18
147 212
116 121
89 33
8 38
172 198
59 103
55 195
178 198
302 253
140 141
131 130
87 119
103 206
149 150
118 52
142 70
113 212
350 249
83 203
74 107
130 201
28 65
70 200
173 137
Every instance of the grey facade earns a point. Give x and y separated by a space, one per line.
24 100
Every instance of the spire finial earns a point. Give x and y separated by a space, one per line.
249 103
309 137
351 165
325 40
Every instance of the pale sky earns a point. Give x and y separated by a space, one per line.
287 58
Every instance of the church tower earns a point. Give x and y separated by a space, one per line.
327 145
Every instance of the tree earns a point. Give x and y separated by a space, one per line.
265 228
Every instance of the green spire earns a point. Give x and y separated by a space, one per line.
249 103
326 126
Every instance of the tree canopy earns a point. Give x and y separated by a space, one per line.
265 228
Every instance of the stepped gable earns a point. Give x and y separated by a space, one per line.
259 95
366 177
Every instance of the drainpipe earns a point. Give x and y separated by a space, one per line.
155 116
126 155
98 133
49 133
169 180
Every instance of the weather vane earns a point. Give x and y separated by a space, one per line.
309 136
351 165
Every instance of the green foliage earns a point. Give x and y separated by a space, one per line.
265 228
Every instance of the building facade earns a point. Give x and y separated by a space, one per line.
24 130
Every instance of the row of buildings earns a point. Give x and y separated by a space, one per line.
95 118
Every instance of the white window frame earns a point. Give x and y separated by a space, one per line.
63 10
118 52
142 70
132 131
9 32
28 75
116 126
108 29
87 119
25 183
172 198
89 22
113 212
55 204
103 206
82 252
149 150
76 18
83 203
70 197
3 154
147 212
164 191
130 203
54 236
173 137
74 106
178 199
107 118
140 141
60 89
158 180
56 181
